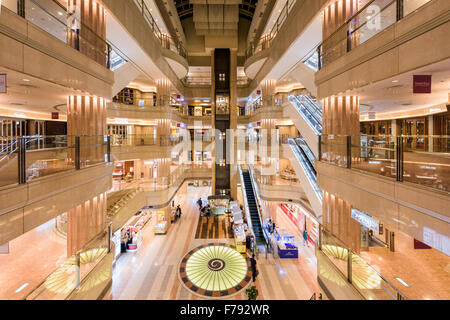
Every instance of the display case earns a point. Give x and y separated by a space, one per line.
286 245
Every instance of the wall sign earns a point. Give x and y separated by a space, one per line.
2 83
421 83
55 115
366 220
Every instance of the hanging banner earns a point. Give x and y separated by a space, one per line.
2 83
422 84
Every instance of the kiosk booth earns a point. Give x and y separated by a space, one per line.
219 204
285 244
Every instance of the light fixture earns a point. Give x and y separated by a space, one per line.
402 282
26 80
394 81
21 287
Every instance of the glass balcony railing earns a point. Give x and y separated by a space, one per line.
23 159
374 17
70 275
135 140
265 41
51 16
367 281
309 109
166 41
393 157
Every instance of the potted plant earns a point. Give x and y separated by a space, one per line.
252 293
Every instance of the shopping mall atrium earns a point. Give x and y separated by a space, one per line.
224 150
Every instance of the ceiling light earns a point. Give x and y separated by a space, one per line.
60 13
21 287
26 80
394 81
402 282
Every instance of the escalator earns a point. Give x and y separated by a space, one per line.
302 159
253 209
306 114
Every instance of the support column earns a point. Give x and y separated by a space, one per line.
86 118
87 33
267 143
334 16
84 222
162 93
341 117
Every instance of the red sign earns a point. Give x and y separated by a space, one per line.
178 96
258 124
55 115
3 83
258 92
420 245
422 84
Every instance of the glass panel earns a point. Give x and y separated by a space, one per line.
335 251
93 150
426 167
411 5
9 170
372 20
47 155
334 149
369 283
48 16
376 154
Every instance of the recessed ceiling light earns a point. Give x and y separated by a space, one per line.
26 80
60 13
394 81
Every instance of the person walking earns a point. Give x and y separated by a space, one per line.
178 212
200 203
305 238
253 266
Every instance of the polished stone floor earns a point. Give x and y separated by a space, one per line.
151 272
31 258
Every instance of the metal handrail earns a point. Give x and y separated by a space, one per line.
256 191
273 32
163 38
346 26
317 126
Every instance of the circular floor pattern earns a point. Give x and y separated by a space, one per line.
215 270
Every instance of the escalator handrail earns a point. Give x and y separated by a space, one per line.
304 163
306 158
257 203
305 148
315 124
312 107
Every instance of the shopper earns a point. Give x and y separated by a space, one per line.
253 266
200 203
178 212
305 238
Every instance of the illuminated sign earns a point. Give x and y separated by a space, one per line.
365 220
